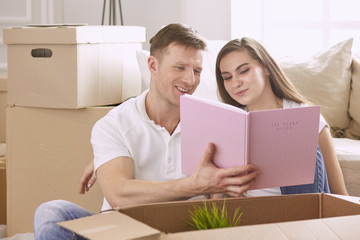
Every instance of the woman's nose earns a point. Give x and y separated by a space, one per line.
238 82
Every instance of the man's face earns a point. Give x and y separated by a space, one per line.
177 72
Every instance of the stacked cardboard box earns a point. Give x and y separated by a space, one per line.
3 103
72 67
59 79
2 190
47 151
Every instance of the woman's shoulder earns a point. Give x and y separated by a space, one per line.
291 104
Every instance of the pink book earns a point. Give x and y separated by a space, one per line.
281 143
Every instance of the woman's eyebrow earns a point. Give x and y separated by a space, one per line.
237 68
240 66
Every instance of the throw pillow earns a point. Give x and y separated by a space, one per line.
353 131
324 79
142 57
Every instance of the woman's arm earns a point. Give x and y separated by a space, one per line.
334 173
87 179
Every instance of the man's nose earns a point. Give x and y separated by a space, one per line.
189 77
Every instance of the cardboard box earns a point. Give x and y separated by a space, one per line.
2 190
72 67
3 103
306 216
47 151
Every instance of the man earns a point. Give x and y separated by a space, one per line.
137 144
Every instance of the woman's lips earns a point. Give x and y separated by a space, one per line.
241 93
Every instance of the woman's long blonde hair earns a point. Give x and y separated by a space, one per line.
280 84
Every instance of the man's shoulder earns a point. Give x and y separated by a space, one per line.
122 115
126 106
126 110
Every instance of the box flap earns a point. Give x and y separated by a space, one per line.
337 205
110 226
73 35
345 227
353 199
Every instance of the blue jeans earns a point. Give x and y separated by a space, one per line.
320 184
47 216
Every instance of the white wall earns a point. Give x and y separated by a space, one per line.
153 14
210 17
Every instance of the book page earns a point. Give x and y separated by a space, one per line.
283 145
203 123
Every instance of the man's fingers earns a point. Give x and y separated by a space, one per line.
238 191
236 171
241 179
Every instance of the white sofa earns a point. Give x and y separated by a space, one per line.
330 78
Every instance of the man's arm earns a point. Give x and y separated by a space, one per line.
116 179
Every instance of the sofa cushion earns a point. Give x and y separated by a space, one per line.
348 154
324 79
353 131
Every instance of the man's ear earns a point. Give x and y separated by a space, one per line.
153 64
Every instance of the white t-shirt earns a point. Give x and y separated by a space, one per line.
127 131
276 190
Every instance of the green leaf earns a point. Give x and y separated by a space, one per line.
212 217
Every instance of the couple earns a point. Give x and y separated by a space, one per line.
137 144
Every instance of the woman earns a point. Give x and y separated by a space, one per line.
249 78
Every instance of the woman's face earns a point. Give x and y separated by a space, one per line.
245 79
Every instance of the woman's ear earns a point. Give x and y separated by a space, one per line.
267 72
153 64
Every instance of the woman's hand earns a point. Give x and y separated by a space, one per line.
87 179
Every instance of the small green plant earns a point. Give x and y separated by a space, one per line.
210 217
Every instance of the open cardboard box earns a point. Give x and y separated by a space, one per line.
303 216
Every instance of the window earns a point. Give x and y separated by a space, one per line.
296 27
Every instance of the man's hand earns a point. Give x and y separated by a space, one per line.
87 179
210 179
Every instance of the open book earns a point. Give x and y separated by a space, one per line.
281 143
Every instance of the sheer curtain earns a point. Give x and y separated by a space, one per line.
296 27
